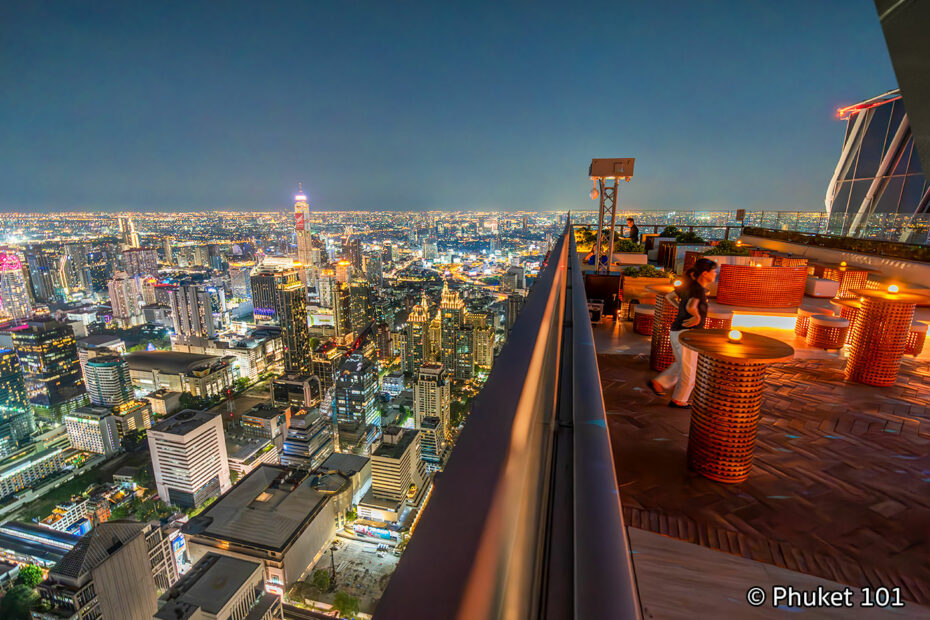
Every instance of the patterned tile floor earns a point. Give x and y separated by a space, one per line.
840 486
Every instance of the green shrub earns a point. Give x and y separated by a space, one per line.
670 231
689 237
644 271
625 245
727 248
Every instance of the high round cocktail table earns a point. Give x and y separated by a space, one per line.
879 335
727 399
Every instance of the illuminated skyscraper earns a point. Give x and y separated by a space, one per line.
16 422
356 385
360 307
265 285
15 298
127 232
48 353
432 396
342 309
417 345
302 228
456 336
124 299
192 312
291 310
108 380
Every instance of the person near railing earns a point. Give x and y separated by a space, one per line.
634 230
692 313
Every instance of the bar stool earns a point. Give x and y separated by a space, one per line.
642 319
915 339
804 315
827 332
718 319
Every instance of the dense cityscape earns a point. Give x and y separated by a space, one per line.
322 311
325 359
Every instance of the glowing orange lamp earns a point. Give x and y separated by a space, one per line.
735 335
893 288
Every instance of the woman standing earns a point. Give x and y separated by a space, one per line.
692 313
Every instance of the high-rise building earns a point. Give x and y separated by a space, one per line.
166 248
108 380
265 285
456 336
44 275
515 303
360 306
140 261
342 310
291 310
396 465
48 354
309 441
93 429
352 251
327 358
125 296
15 297
108 574
16 421
101 429
356 387
383 342
879 182
189 458
432 396
127 232
434 448
192 312
302 228
374 272
483 347
417 342
220 587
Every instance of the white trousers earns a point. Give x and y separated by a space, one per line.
681 373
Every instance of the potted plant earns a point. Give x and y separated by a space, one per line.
626 252
637 277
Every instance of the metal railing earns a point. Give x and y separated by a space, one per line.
525 521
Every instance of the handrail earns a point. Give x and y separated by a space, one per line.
495 528
604 579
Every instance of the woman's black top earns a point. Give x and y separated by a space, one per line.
687 292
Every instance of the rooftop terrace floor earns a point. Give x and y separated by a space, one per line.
840 487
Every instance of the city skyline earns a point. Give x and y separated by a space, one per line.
455 111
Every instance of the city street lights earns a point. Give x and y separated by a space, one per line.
611 170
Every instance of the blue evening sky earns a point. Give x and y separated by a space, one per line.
429 105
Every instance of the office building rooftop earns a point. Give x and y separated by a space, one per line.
183 422
208 587
266 509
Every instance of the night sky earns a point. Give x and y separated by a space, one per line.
438 105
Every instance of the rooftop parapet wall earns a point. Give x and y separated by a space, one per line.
914 273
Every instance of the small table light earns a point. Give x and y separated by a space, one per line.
842 263
893 288
735 335
676 283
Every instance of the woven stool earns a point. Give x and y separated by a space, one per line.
915 339
804 315
718 319
827 332
660 351
642 319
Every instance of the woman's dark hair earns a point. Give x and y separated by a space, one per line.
701 265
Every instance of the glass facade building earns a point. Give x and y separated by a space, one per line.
16 422
878 183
